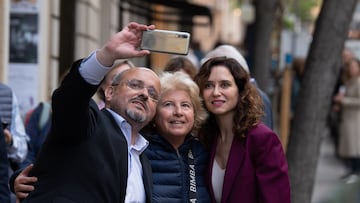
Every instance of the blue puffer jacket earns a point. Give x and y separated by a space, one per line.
170 168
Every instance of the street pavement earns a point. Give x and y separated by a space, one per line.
329 188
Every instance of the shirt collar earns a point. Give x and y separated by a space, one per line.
140 143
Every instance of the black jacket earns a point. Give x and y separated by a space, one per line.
4 170
171 170
85 156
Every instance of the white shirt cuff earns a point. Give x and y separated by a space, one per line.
92 70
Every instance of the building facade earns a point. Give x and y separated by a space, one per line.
39 39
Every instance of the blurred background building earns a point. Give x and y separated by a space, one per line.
39 39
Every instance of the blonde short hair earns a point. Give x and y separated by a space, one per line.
182 81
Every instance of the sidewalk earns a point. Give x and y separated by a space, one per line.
328 186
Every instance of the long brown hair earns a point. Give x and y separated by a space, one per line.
249 109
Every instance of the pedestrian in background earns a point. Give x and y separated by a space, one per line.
37 128
15 135
4 170
349 100
334 116
182 64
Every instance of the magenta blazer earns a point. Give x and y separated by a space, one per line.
257 170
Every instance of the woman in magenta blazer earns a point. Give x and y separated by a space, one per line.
247 162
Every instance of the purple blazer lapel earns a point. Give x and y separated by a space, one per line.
236 156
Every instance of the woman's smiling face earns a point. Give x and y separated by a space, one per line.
175 114
220 92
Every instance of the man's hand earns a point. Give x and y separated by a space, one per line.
23 184
124 44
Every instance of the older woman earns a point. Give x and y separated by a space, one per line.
177 158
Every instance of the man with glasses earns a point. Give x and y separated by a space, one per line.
94 155
118 67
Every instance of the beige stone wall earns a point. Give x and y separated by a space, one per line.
87 29
4 36
54 39
96 21
49 25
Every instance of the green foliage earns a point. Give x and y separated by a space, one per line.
302 8
235 3
288 24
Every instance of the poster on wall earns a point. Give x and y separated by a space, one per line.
23 38
23 69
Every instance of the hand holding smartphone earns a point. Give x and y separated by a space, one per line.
166 41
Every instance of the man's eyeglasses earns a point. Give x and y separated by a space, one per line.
139 85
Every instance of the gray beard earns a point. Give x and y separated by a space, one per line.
138 118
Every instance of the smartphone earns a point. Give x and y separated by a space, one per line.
166 41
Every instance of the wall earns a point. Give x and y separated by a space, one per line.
4 36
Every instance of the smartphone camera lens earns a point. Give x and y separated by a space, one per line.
182 36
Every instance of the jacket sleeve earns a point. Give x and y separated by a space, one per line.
32 129
4 170
353 101
271 168
70 105
19 148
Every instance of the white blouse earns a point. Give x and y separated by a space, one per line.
217 180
